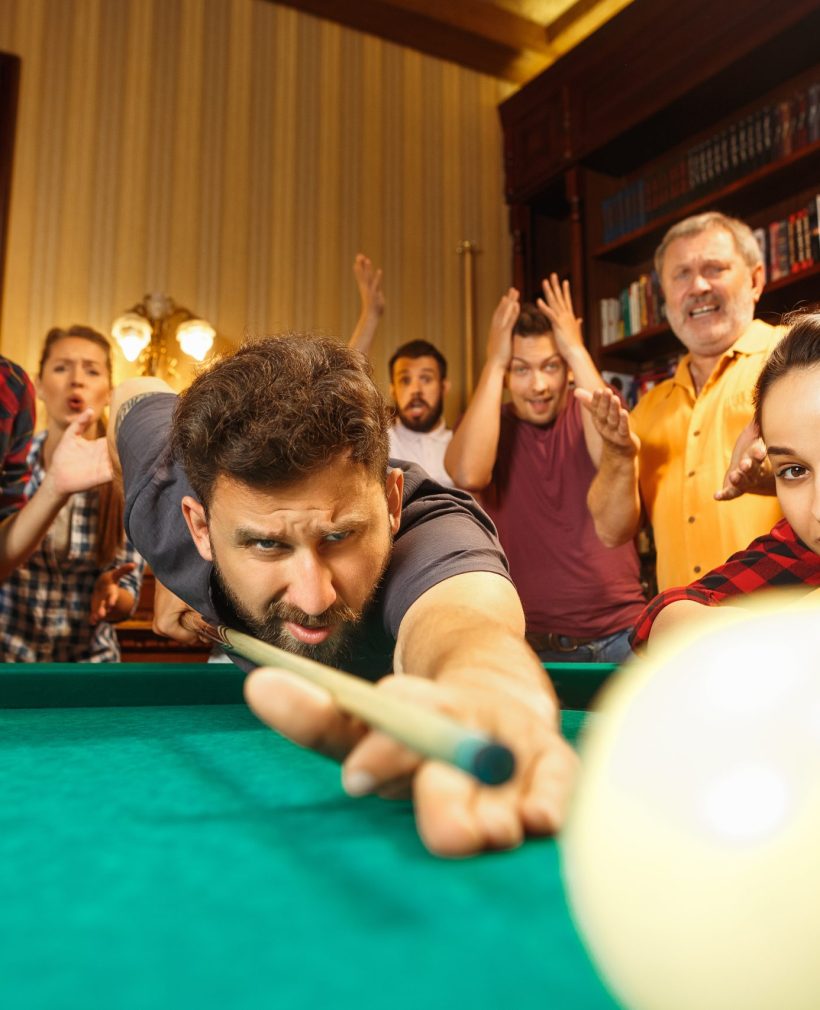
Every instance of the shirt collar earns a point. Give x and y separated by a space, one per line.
436 433
755 338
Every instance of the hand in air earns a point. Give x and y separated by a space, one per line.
79 463
749 469
557 307
499 339
611 420
369 281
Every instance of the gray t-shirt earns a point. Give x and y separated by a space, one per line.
443 532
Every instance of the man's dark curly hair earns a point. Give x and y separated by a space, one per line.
279 410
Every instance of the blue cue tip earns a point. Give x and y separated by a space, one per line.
491 763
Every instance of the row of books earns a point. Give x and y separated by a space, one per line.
769 134
637 307
791 244
788 246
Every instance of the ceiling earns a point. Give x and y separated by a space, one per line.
510 39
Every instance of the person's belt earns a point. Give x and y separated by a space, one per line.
549 642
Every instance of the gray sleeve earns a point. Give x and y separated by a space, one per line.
443 533
154 486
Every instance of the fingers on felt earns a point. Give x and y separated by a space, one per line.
456 817
301 711
378 764
548 788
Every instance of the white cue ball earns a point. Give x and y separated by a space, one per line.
692 851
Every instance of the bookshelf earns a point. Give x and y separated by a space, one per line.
667 111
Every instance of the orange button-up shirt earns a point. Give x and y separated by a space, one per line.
686 445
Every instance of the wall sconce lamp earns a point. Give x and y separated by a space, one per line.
143 332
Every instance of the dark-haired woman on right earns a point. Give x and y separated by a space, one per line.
787 417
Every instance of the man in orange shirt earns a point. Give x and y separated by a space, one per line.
673 451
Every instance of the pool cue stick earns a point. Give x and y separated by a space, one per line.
423 730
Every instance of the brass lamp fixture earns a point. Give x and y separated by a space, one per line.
144 330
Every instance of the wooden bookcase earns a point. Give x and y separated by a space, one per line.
656 81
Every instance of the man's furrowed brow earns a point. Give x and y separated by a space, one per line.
249 534
349 524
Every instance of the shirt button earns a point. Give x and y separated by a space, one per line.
691 519
696 433
697 569
691 473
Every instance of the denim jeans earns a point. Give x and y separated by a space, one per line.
609 649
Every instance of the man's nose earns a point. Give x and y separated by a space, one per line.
311 583
700 285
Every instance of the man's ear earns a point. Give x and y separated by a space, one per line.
758 281
445 387
194 513
393 489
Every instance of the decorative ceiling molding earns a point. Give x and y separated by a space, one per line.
483 35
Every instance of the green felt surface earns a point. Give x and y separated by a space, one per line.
174 856
576 684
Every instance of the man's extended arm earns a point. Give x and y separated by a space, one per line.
471 454
369 282
78 464
124 397
613 498
461 650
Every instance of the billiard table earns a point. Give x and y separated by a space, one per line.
160 848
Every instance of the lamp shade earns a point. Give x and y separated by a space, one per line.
133 333
196 337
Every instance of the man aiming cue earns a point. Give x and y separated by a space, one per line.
262 498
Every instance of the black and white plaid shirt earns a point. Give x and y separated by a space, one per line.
45 605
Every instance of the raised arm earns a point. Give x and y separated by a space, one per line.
369 282
566 328
613 498
123 399
461 650
471 455
78 464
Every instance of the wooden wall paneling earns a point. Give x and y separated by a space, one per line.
9 89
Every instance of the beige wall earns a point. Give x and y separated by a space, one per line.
237 154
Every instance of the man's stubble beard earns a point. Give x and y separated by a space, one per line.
424 425
271 629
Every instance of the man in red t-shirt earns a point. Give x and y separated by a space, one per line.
531 463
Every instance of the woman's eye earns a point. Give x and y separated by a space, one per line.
793 472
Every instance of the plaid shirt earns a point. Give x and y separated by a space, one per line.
16 427
779 558
45 604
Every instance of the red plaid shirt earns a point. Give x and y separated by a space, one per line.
779 558
16 426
